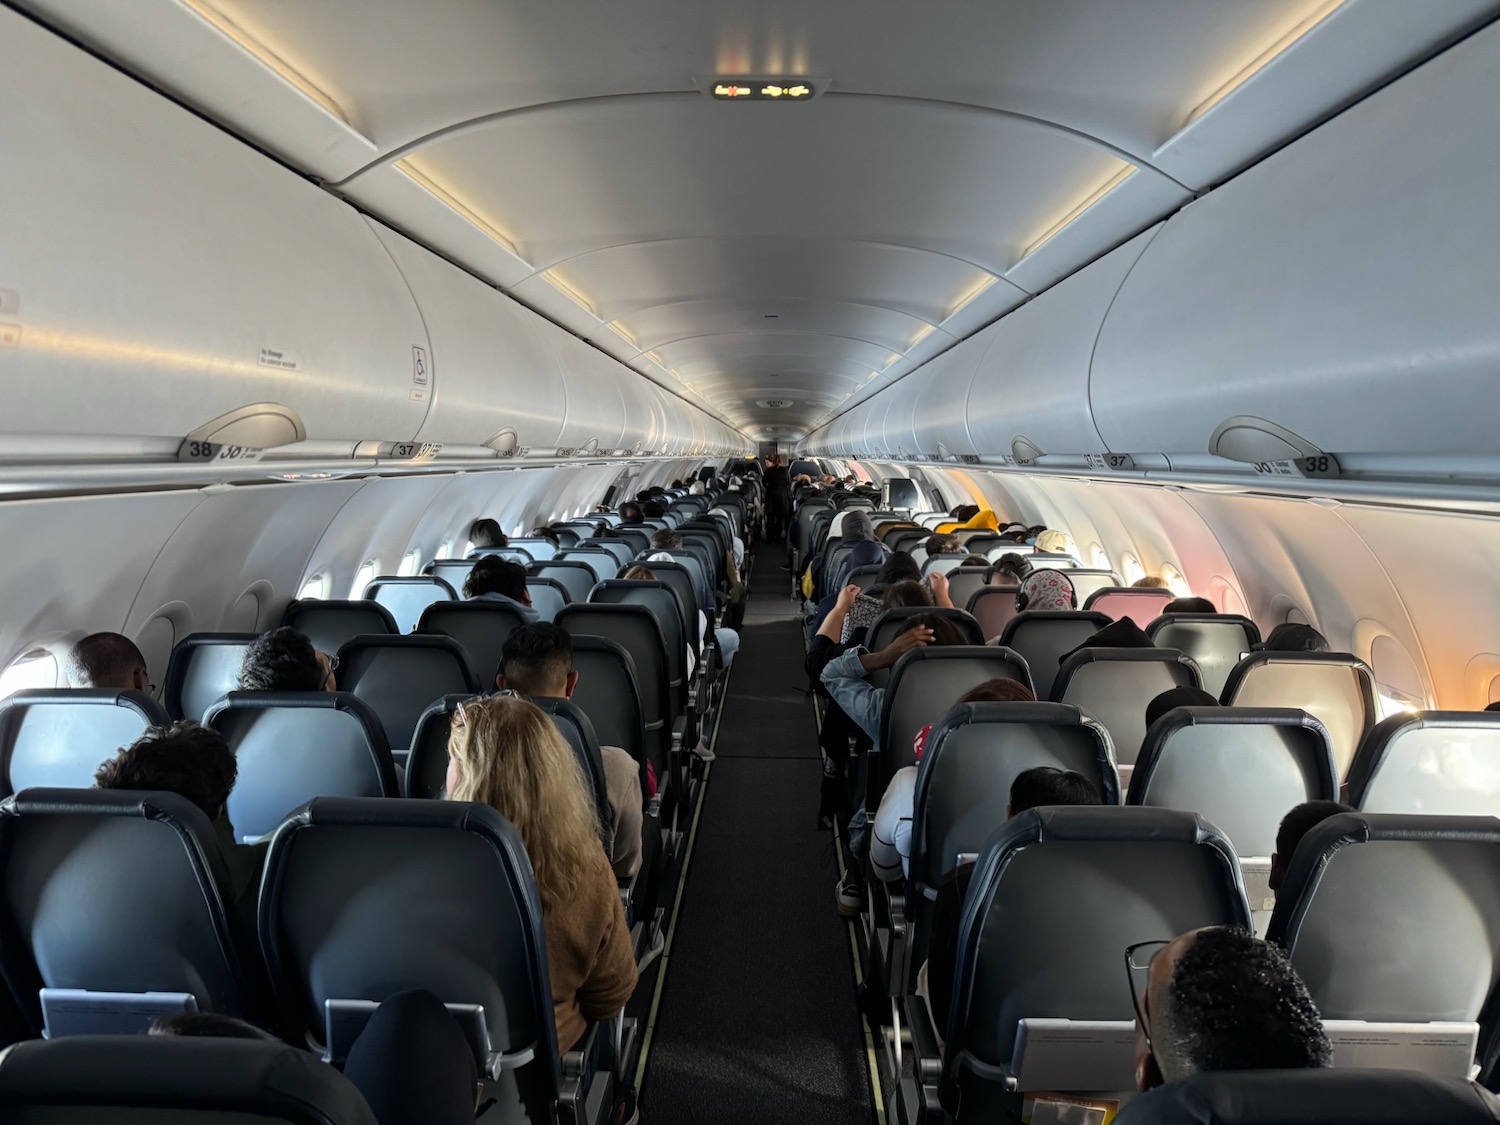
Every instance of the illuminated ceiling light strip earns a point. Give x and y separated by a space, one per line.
269 58
1265 58
573 295
615 327
922 333
988 280
1094 197
449 200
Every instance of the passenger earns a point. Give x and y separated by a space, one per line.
1290 636
494 579
548 534
778 485
1149 582
1295 825
1054 542
890 838
870 603
654 510
1033 788
1493 706
108 660
970 518
1189 605
1123 633
866 550
1046 590
194 762
1009 569
485 534
285 660
504 752
936 544
631 514
207 1025
726 640
1222 999
414 1065
1173 698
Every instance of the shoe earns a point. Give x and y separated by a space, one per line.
703 752
850 895
653 951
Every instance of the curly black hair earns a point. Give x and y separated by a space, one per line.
1235 1003
487 533
281 660
495 575
185 758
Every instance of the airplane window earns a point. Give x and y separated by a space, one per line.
1397 684
446 550
1098 557
411 562
520 530
468 546
1131 568
315 587
35 669
1175 581
363 577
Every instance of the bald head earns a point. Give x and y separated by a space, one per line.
107 660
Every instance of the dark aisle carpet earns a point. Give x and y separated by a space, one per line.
757 1022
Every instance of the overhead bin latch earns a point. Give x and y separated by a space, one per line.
243 435
1271 450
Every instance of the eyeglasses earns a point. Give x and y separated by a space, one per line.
1138 969
333 666
461 715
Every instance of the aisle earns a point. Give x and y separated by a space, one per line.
757 1021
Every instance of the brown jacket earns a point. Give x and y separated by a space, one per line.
589 955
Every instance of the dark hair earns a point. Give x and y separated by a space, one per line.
1495 706
206 1025
944 631
1235 1003
666 540
965 512
1048 785
999 690
486 533
944 544
908 593
1299 822
187 759
630 513
103 660
1291 636
535 655
281 660
1012 564
1190 605
495 575
548 534
1173 698
653 509
975 560
900 567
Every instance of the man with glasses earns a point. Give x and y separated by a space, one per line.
108 660
285 660
1219 999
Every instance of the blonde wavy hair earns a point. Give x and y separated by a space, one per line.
511 757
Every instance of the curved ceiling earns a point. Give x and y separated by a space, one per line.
958 158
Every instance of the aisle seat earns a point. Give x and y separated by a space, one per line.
57 737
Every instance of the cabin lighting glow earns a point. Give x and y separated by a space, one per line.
619 330
1266 57
454 204
1079 208
568 291
983 286
761 90
922 333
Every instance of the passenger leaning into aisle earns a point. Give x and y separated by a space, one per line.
727 641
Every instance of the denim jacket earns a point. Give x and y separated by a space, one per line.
844 677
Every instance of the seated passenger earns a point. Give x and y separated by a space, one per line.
1054 542
1290 636
631 514
867 550
1176 697
1189 605
1044 591
1221 999
727 641
414 1065
890 838
547 533
194 762
1123 633
494 579
1295 825
207 1025
285 660
1008 570
1149 582
900 593
107 660
484 534
936 544
538 660
504 752
653 509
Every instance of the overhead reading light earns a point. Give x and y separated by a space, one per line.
761 89
1083 205
1265 58
453 203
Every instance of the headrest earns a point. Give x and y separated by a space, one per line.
1112 823
1123 633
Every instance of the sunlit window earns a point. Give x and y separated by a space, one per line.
1131 569
1176 582
1098 557
411 562
1398 685
446 550
363 577
36 669
315 587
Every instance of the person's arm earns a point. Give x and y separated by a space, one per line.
939 586
833 623
887 854
612 977
844 677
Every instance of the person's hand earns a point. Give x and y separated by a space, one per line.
846 599
920 637
939 585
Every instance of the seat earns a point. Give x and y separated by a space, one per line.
292 746
622 551
426 776
993 607
924 684
118 891
538 548
1115 684
451 571
638 539
661 601
1043 636
864 577
1088 881
601 562
56 737
1334 687
1140 605
1329 1097
1215 641
480 627
406 598
518 555
679 580
1443 763
608 692
203 667
397 677
963 583
703 588
942 564
547 596
1396 918
328 624
567 536
1086 580
123 1079
575 577
363 899
887 627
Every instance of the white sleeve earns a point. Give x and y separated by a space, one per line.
890 840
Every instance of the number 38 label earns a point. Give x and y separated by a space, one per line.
1319 465
205 451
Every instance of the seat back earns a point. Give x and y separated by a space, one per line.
660 601
609 693
679 580
993 607
1115 684
397 677
481 629
1140 605
575 577
601 563
1443 763
635 630
1241 767
1215 641
1131 873
56 737
363 899
1395 918
621 551
203 667
426 775
116 891
406 598
329 624
637 538
518 555
292 746
451 571
864 577
942 564
578 732
963 583
1043 636
1335 688
172 1080
547 596
539 549
1087 581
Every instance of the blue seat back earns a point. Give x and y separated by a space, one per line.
56 737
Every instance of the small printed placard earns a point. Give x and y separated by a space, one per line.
280 359
1110 462
212 451
1321 465
411 450
419 365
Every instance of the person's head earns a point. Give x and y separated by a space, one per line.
857 527
1008 570
944 544
486 533
1189 605
207 1025
1290 636
506 753
1222 999
187 759
107 660
900 567
1124 633
537 659
1048 785
963 513
999 690
654 510
666 540
1045 590
944 631
494 575
1150 582
908 593
631 513
639 573
285 660
1295 825
1054 542
1176 697
413 1063
1493 706
975 562
547 533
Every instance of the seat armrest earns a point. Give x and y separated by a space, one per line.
927 1056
